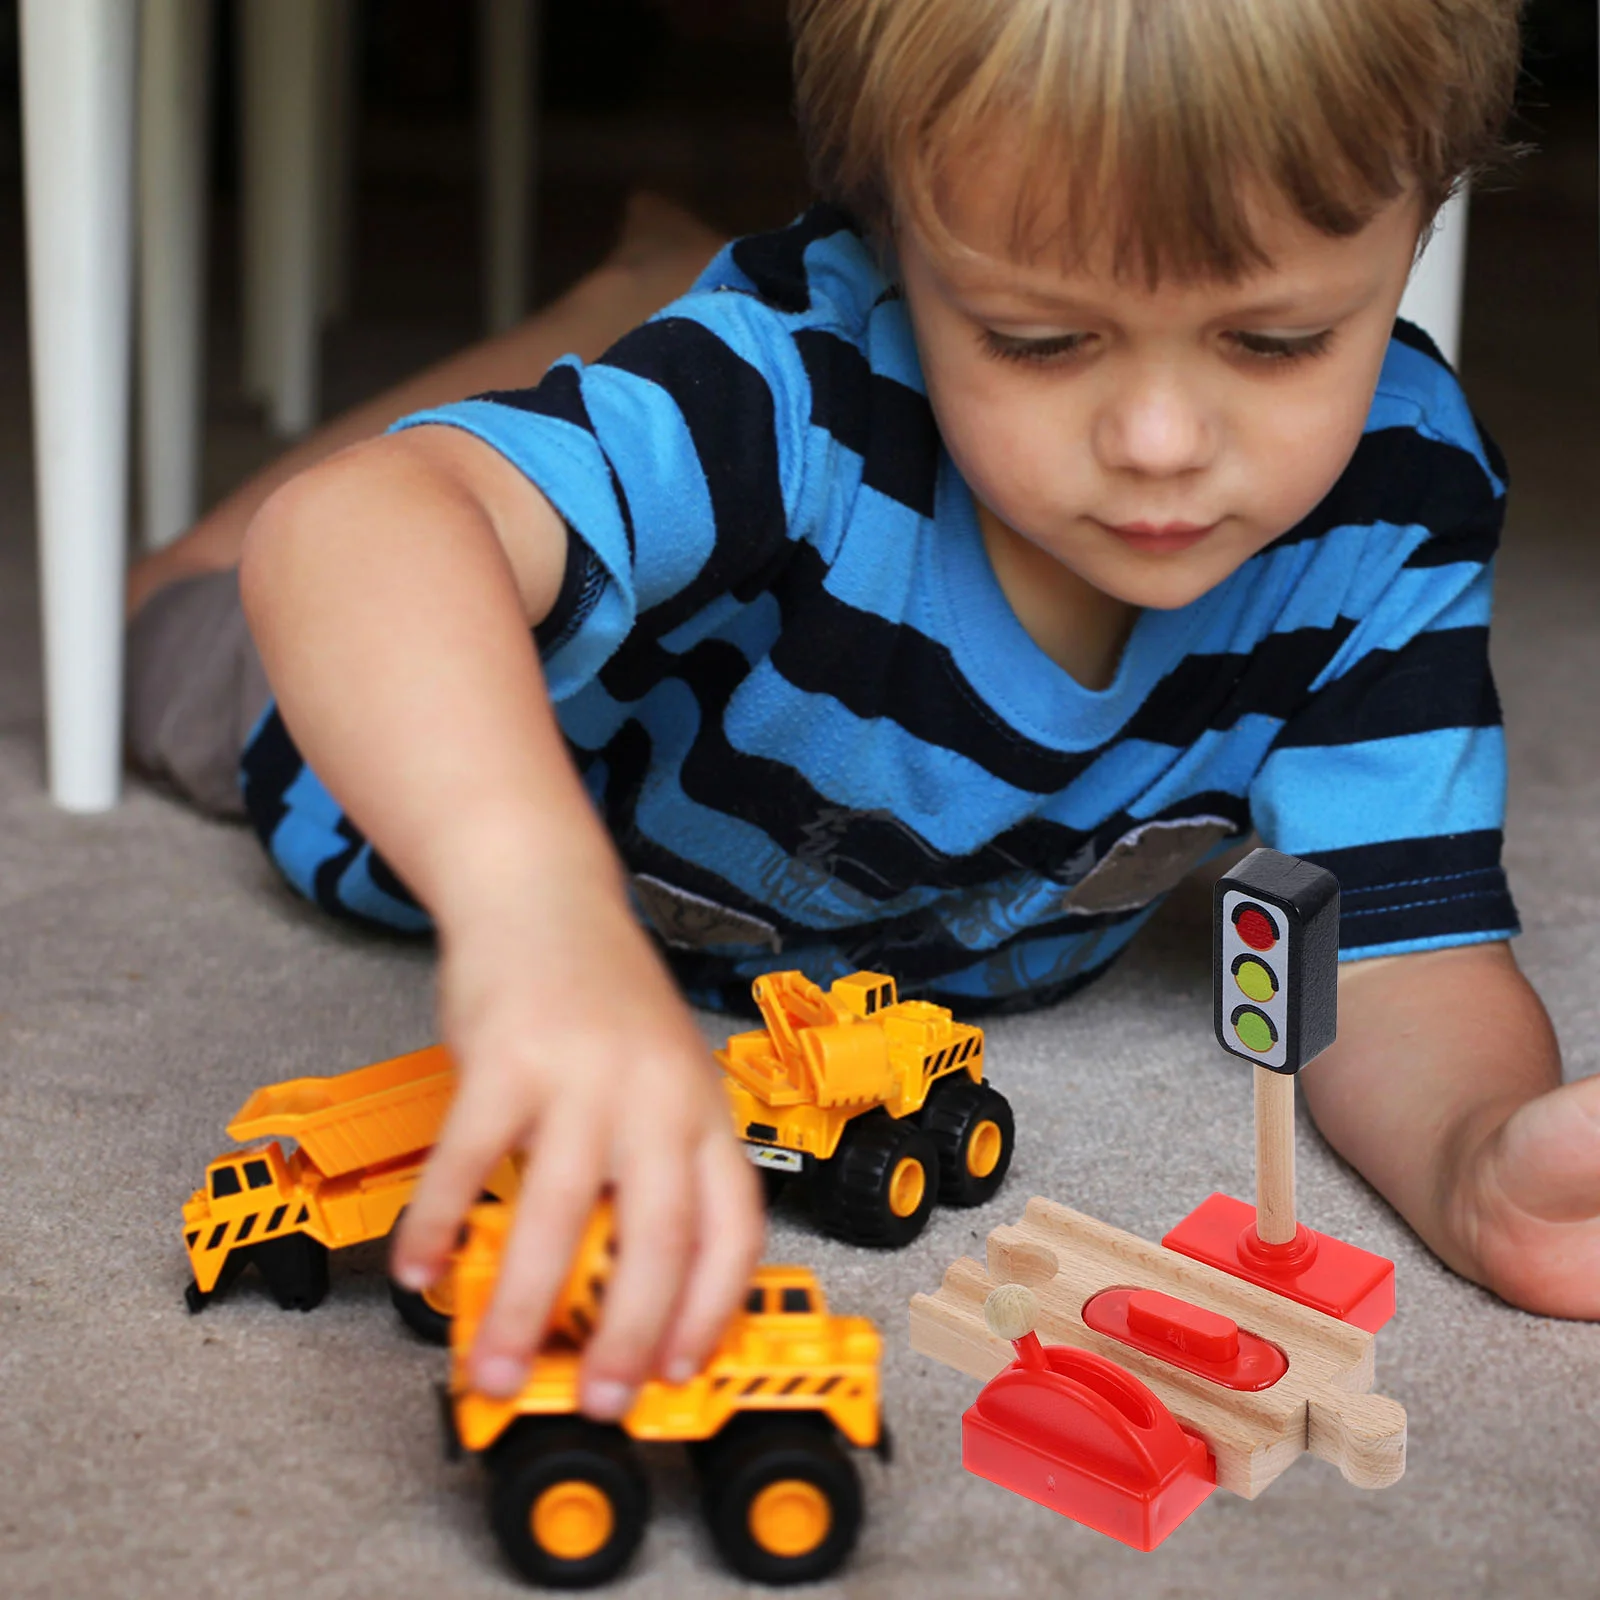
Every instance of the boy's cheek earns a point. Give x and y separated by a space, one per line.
1292 462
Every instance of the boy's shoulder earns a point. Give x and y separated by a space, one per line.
815 296
1426 484
1418 390
819 270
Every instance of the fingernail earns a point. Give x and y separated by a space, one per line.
680 1370
499 1375
413 1276
603 1397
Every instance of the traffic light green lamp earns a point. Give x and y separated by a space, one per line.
1275 958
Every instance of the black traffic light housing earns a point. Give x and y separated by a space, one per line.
1275 960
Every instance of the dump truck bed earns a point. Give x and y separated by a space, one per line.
357 1119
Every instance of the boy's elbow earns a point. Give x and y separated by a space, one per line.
287 526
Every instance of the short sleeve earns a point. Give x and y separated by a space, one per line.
676 461
1391 773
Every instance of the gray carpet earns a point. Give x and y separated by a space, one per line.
152 972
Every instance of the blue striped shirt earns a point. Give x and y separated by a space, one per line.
820 736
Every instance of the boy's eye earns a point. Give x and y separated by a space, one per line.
1278 348
1008 347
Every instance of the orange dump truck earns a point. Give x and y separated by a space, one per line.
361 1139
767 1423
879 1101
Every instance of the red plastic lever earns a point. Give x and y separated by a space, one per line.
1193 1329
1186 1336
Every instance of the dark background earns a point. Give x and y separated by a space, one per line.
615 73
690 99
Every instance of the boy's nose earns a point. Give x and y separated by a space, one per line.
1155 430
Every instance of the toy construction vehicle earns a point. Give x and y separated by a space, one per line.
766 1423
362 1140
879 1101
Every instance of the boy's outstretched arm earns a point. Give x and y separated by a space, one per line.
392 590
1444 1089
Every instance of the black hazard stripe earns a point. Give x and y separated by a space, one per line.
246 1227
800 1383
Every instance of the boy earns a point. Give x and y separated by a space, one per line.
930 590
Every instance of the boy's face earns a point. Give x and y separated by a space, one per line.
1151 441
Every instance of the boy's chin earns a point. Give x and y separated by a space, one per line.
1163 583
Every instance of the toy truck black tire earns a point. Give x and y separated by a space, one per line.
782 1502
864 1194
428 1321
973 1131
294 1267
567 1501
427 1312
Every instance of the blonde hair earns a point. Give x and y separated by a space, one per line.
1154 120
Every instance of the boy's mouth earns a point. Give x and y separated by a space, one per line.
1160 536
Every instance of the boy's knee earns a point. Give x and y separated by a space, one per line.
195 689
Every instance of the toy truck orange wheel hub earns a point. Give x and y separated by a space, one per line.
906 1185
572 1519
983 1148
790 1517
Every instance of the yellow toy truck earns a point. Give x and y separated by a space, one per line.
879 1101
766 1423
362 1139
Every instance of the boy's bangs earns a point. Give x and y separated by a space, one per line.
1149 132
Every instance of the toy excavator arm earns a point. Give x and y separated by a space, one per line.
789 1001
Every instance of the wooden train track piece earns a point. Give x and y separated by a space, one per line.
1322 1404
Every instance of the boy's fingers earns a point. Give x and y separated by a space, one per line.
732 1227
473 1138
563 1183
656 1235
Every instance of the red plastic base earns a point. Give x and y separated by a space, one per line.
1315 1269
1090 1441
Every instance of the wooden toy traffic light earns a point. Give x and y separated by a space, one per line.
1275 954
1275 971
1122 1439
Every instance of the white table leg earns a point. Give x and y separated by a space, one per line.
1433 297
174 53
282 43
78 63
508 42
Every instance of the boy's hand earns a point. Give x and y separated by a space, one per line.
574 1047
1444 1090
1531 1194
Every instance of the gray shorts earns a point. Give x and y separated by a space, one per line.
195 690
